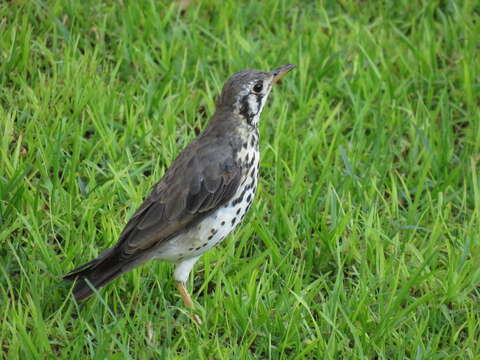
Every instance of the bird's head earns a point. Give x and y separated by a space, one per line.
246 92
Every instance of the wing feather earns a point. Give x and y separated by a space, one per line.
193 187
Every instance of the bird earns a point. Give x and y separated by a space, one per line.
202 197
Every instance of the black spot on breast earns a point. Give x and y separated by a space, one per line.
222 223
213 231
238 211
190 249
210 237
246 158
205 244
234 220
245 145
249 198
251 162
198 248
252 141
240 198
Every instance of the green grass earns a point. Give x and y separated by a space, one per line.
363 241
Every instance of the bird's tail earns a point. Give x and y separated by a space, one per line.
98 272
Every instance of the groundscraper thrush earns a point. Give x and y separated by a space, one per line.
202 197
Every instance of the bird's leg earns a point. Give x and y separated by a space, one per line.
182 270
187 300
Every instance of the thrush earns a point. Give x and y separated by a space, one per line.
202 197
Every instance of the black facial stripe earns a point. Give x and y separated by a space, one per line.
259 101
245 110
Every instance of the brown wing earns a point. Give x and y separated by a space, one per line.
202 178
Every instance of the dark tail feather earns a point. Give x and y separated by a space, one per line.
98 273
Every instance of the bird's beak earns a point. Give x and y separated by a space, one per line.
279 73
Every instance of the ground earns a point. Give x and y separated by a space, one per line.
363 241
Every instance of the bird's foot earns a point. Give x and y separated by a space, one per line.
187 300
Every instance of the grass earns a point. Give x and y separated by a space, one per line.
363 241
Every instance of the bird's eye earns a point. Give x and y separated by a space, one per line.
258 87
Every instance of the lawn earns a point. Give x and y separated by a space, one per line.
364 238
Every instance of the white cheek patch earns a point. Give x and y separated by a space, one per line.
253 104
